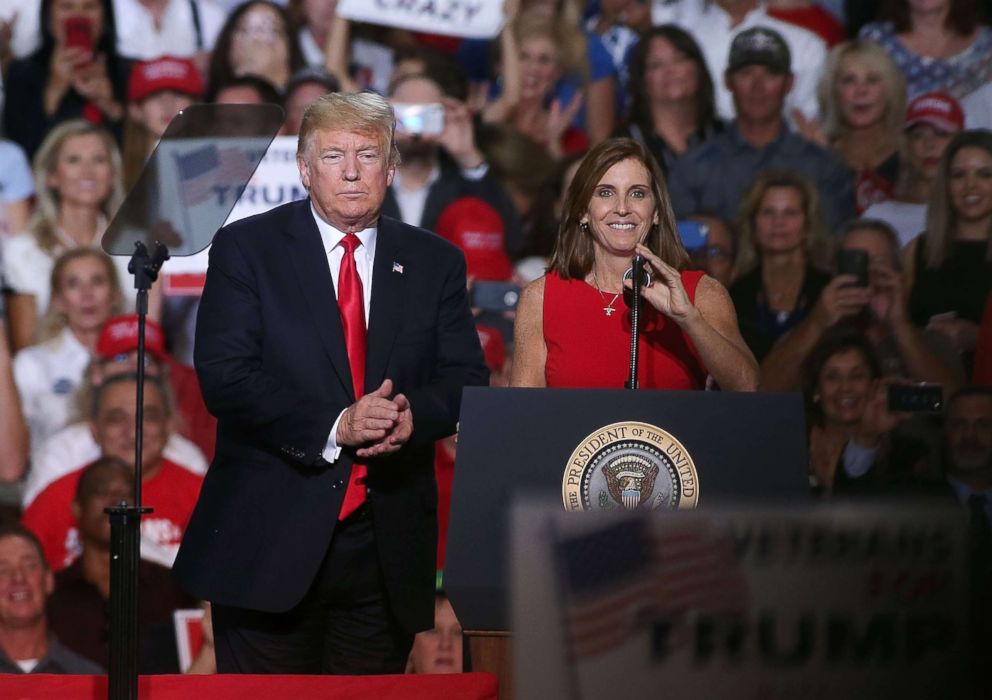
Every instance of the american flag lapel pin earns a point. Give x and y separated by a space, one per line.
397 268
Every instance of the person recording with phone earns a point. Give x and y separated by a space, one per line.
868 294
572 328
440 162
75 73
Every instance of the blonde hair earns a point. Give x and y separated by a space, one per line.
564 33
53 322
942 220
350 111
816 231
876 59
45 221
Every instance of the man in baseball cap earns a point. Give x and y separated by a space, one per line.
760 46
159 89
712 177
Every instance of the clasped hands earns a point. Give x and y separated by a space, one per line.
375 422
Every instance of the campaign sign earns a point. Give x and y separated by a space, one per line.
847 601
476 19
276 181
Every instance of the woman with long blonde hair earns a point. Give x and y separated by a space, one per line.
77 174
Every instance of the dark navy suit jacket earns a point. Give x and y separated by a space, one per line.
273 368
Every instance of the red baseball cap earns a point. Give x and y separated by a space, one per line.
478 230
120 336
938 109
164 73
493 347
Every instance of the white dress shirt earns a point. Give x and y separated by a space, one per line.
364 257
138 36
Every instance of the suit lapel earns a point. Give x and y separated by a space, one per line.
388 299
309 259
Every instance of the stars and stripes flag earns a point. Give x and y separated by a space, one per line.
618 578
201 169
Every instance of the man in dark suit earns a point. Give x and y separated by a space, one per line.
315 534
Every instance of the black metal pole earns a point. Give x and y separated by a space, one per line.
125 520
635 320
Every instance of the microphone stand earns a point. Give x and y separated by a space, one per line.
125 520
635 320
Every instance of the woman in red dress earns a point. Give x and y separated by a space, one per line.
573 328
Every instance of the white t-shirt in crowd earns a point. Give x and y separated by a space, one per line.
139 38
908 219
73 447
47 376
977 108
27 269
709 25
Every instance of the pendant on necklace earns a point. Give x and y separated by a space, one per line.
608 310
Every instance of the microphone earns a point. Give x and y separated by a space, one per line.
645 279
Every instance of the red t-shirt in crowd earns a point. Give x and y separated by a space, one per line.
815 19
172 492
197 423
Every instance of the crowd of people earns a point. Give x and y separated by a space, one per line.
748 150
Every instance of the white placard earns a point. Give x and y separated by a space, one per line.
854 601
475 19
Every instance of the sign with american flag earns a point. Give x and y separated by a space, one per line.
208 167
859 601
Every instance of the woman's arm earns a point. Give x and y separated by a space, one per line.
716 336
336 52
710 322
601 118
23 314
499 109
529 351
13 432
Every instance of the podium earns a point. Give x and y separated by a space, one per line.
513 442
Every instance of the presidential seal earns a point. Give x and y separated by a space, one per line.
629 466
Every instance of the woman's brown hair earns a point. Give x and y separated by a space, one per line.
575 247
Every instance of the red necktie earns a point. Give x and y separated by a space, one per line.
351 305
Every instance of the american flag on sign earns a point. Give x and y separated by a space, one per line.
207 166
618 578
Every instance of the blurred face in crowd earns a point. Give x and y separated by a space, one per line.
296 104
538 66
439 650
861 93
417 90
968 432
105 487
158 109
875 244
780 223
845 385
85 294
25 583
719 258
260 28
113 424
62 10
669 75
84 173
925 144
969 183
238 95
347 174
759 92
319 14
623 208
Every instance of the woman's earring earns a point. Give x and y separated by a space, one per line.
583 226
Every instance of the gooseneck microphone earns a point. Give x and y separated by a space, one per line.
640 277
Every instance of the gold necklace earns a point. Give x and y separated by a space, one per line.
608 307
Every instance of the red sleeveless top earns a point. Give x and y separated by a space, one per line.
588 349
